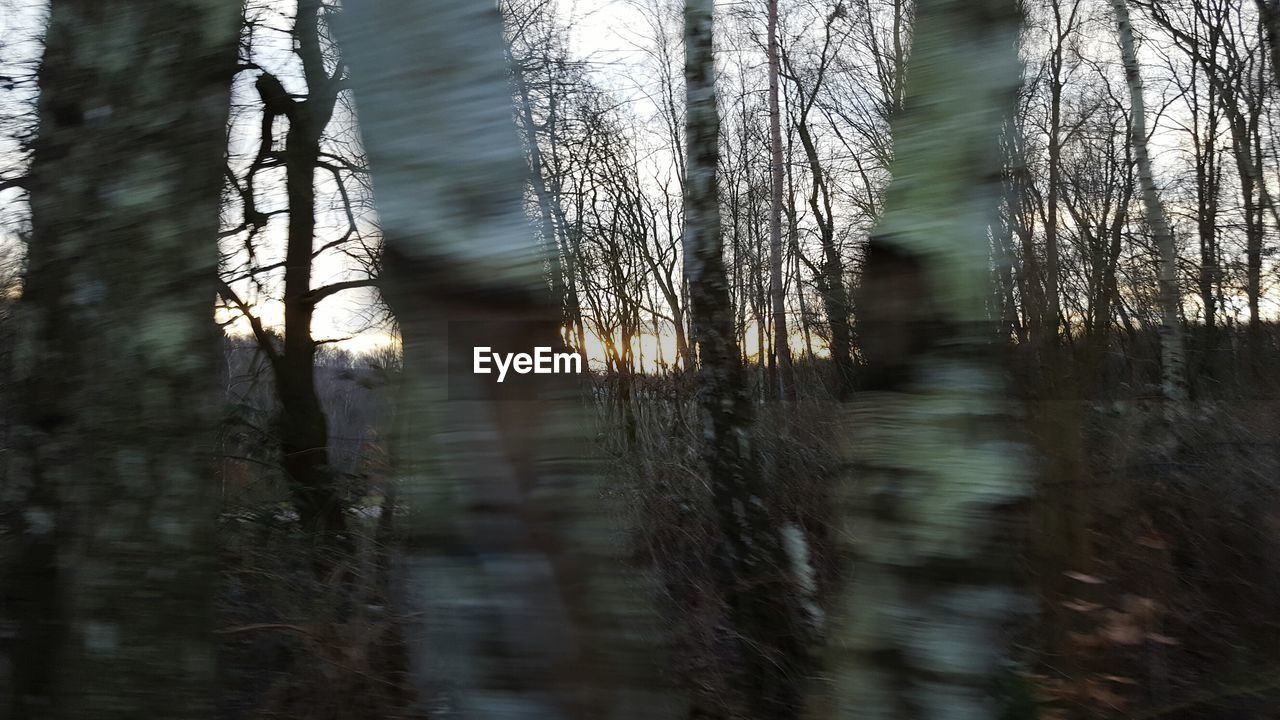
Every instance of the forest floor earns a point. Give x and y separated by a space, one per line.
1152 551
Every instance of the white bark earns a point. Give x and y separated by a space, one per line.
1172 352
520 606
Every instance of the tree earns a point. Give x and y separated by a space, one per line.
829 273
918 635
1269 14
308 150
1205 134
1212 40
753 577
777 291
1051 312
116 357
508 568
1173 367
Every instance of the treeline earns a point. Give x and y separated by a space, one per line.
901 251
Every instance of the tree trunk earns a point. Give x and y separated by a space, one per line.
1173 357
304 428
519 603
1254 196
117 358
830 275
925 525
762 603
1048 340
1208 192
777 290
1107 292
1269 14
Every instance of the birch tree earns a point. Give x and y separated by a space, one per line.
753 572
520 606
1173 356
919 634
1213 41
116 357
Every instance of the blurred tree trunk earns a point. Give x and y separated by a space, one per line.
1173 357
117 362
927 520
519 604
753 581
560 290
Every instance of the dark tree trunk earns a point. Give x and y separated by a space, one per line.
777 290
763 604
304 430
830 276
1269 14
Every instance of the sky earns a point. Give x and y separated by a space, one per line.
607 34
604 32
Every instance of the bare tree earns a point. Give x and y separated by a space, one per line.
1051 319
777 291
308 156
829 273
1212 35
1173 354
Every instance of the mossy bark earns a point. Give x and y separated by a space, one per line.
116 361
927 511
